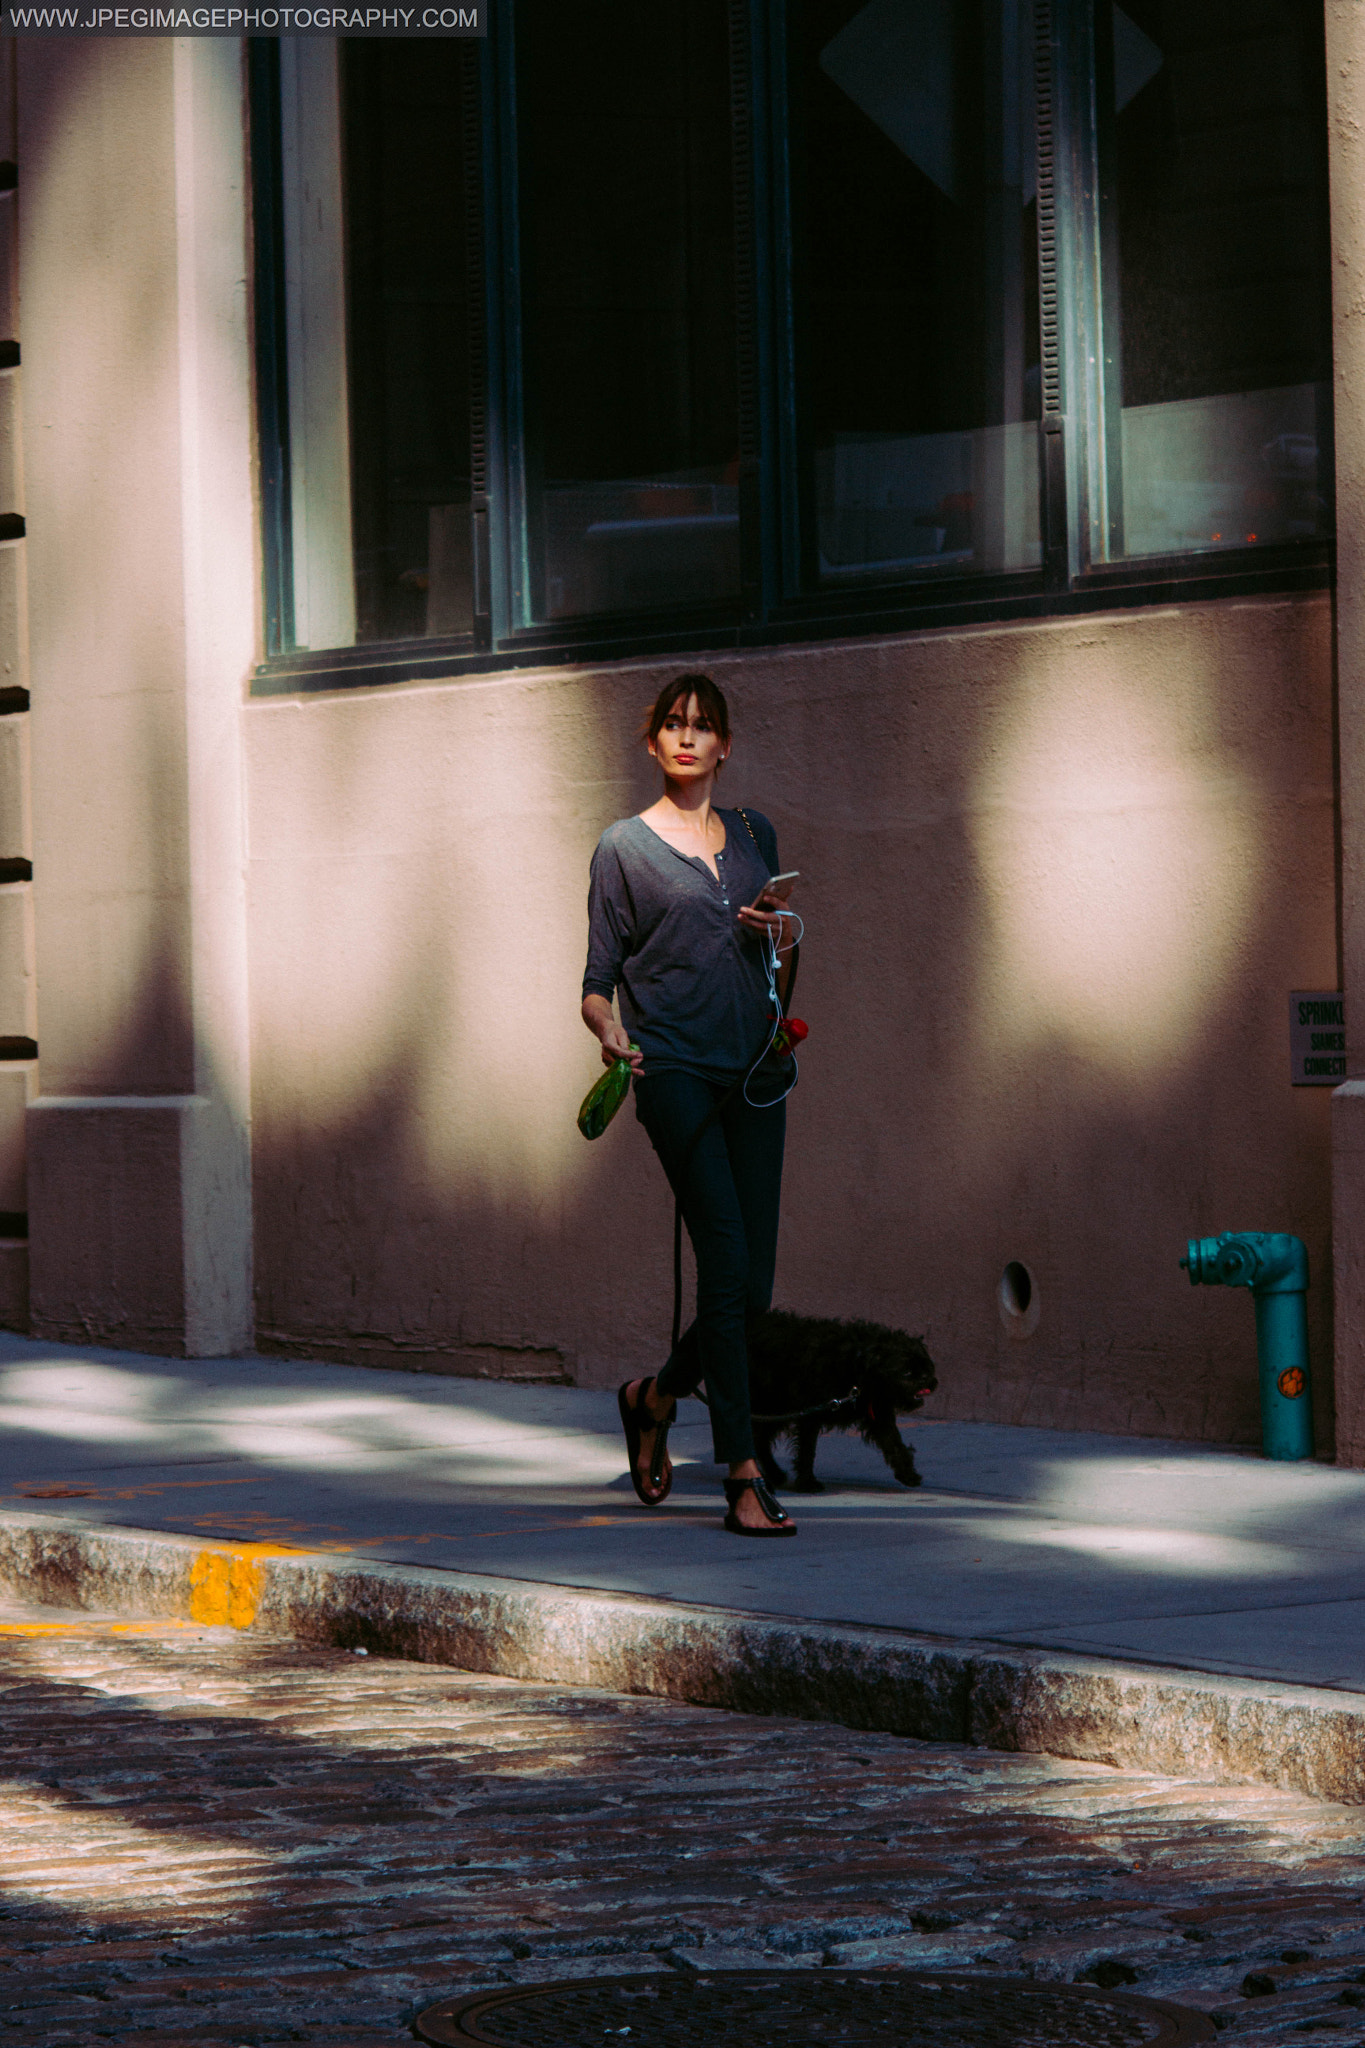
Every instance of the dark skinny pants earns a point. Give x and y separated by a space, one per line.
730 1201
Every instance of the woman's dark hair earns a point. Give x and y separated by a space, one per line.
710 697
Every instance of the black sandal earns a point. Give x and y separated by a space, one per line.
780 1522
630 1418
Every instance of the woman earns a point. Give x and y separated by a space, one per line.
680 924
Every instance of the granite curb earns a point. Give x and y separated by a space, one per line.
1151 1718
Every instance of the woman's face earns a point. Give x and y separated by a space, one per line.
688 747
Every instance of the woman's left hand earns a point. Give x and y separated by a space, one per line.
762 916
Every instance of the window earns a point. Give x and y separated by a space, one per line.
1217 242
409 308
370 288
914 195
637 327
630 427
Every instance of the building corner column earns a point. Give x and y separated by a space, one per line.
139 431
222 607
1345 26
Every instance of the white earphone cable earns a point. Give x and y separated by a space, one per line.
772 953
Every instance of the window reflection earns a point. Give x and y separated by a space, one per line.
1223 287
407 270
376 313
915 196
628 327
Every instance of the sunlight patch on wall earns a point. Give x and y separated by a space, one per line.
505 1079
427 922
1121 849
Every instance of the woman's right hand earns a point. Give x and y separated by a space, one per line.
616 1046
600 1019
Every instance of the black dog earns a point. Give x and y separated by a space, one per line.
867 1370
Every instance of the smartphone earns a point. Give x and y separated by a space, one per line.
778 885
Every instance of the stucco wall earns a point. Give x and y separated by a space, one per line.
1059 879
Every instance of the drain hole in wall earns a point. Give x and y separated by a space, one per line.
1018 1299
1016 1288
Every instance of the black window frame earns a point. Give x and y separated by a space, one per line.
1077 397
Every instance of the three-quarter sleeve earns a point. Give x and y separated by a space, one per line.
610 923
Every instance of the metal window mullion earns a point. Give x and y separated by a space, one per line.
1079 371
788 505
1107 543
272 372
1052 417
754 25
505 450
473 98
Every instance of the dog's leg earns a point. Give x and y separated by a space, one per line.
896 1452
807 1437
772 1472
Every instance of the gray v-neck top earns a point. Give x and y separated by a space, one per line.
663 934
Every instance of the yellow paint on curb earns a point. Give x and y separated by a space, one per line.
84 1625
37 1628
226 1585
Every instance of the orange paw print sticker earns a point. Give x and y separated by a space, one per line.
1292 1382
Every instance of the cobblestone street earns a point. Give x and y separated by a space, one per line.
210 1837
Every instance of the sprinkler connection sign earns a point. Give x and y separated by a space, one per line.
1317 1038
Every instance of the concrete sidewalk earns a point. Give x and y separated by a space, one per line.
1170 1553
1042 1590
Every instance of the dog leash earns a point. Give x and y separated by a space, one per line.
843 1407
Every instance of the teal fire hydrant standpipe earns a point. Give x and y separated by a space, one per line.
1275 1267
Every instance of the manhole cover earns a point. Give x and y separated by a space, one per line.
754 2008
